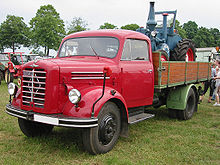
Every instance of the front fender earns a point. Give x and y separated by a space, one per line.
88 98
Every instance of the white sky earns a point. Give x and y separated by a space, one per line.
118 12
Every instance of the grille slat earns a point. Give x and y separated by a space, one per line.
33 88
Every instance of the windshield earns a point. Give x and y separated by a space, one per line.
91 46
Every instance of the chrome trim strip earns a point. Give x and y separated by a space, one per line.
37 93
79 126
26 102
34 71
36 98
86 72
34 87
89 78
26 97
34 82
38 104
34 77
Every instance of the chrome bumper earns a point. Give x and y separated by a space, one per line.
54 119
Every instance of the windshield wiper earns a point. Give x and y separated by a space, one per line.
94 52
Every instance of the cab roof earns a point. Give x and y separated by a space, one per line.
118 33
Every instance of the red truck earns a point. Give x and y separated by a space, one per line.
101 81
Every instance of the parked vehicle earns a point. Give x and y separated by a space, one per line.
101 81
161 30
3 65
15 61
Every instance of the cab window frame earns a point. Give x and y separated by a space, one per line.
131 44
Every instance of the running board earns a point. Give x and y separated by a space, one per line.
139 117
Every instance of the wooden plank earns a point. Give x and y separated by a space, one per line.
191 71
156 57
174 73
177 72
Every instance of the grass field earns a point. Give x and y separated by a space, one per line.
160 140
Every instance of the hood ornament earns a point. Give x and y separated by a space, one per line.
34 65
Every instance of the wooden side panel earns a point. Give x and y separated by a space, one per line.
204 70
156 57
164 73
191 71
176 72
172 73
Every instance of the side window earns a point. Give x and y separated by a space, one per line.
126 54
135 50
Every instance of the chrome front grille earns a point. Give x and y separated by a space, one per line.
33 87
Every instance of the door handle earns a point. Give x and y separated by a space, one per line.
149 71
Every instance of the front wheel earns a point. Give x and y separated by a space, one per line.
191 106
103 138
33 129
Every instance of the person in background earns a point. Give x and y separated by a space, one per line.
210 84
217 85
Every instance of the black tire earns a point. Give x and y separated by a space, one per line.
1 75
191 106
8 76
33 129
181 49
172 113
103 138
164 54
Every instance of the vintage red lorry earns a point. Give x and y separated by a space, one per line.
101 81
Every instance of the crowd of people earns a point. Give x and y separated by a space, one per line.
213 84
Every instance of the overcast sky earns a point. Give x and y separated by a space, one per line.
118 12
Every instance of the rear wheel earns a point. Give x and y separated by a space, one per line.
32 129
184 51
191 106
103 138
164 55
8 76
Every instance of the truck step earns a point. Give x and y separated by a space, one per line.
139 117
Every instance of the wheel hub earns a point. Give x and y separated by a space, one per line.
107 129
189 55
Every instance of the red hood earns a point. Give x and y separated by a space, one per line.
68 65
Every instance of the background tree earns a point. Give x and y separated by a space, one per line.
180 29
77 25
133 27
108 26
203 38
216 34
191 29
47 28
13 33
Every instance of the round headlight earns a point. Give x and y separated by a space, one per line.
11 88
74 96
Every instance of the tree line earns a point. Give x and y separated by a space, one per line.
47 29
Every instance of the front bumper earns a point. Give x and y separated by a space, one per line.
53 119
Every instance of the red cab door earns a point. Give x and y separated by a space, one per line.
137 73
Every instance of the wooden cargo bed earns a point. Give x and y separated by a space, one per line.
174 73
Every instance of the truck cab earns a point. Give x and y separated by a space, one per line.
95 81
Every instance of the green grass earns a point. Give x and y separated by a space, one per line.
160 140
